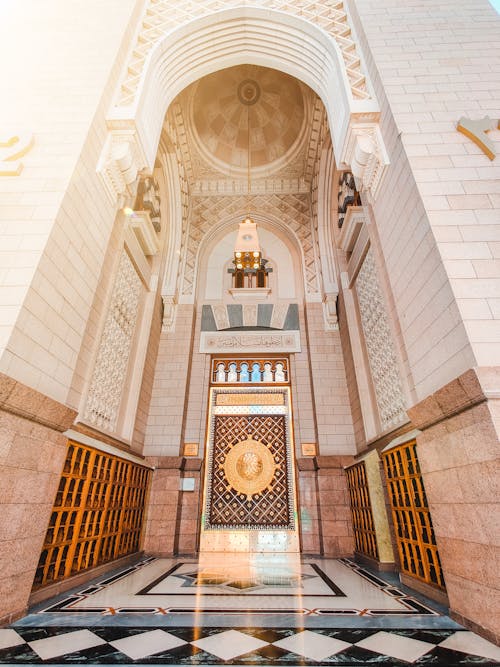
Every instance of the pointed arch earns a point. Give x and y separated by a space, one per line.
242 35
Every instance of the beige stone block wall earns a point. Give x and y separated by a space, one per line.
304 418
92 328
198 386
458 453
331 398
55 217
148 378
438 212
166 418
32 455
352 387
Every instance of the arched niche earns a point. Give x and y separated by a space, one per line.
213 280
281 248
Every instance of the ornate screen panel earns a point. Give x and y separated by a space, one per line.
362 517
412 520
249 478
97 515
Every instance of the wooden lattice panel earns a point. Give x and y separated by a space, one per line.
97 514
412 520
362 516
233 505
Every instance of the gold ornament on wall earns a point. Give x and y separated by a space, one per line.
249 467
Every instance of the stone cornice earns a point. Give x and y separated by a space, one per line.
464 392
23 401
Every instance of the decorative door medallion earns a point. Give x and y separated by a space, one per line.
249 493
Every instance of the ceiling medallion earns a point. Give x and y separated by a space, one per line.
248 92
249 467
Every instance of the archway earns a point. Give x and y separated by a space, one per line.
249 35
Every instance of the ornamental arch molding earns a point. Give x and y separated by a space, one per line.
246 35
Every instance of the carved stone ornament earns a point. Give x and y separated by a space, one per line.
110 370
249 467
221 316
347 196
280 311
249 315
249 341
330 312
169 310
380 346
161 17
366 155
119 165
142 226
148 199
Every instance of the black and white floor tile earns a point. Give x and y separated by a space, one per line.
244 646
269 612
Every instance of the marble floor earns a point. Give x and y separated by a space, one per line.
252 610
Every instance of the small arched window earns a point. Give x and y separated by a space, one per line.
249 276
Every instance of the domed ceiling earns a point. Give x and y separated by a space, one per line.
243 104
213 121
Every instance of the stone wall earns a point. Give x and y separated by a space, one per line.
32 455
164 431
458 452
332 409
56 217
438 213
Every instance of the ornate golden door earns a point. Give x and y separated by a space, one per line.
249 486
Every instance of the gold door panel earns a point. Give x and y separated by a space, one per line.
249 493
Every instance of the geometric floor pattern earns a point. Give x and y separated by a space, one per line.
244 646
258 612
281 584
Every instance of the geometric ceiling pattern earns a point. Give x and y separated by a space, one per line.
247 117
214 120
295 209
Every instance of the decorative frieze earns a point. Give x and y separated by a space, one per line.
217 187
380 346
280 311
110 370
249 342
348 196
119 164
330 312
220 316
365 153
295 209
148 199
169 310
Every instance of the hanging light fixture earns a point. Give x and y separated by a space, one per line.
247 253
